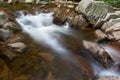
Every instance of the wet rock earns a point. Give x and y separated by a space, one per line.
18 46
92 47
95 11
100 34
11 26
5 34
109 78
3 18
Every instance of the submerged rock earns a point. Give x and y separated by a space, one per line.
5 34
18 46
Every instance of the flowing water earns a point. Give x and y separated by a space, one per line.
41 28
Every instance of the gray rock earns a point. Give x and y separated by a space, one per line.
92 47
3 18
110 23
11 26
116 35
5 34
115 27
95 11
18 46
111 16
100 34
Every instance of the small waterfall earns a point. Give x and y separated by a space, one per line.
114 54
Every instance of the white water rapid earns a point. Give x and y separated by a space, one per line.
41 28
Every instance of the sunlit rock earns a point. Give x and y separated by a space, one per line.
100 34
95 11
18 47
5 34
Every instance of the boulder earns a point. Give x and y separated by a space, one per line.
115 27
100 34
3 18
18 46
110 23
5 34
95 11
